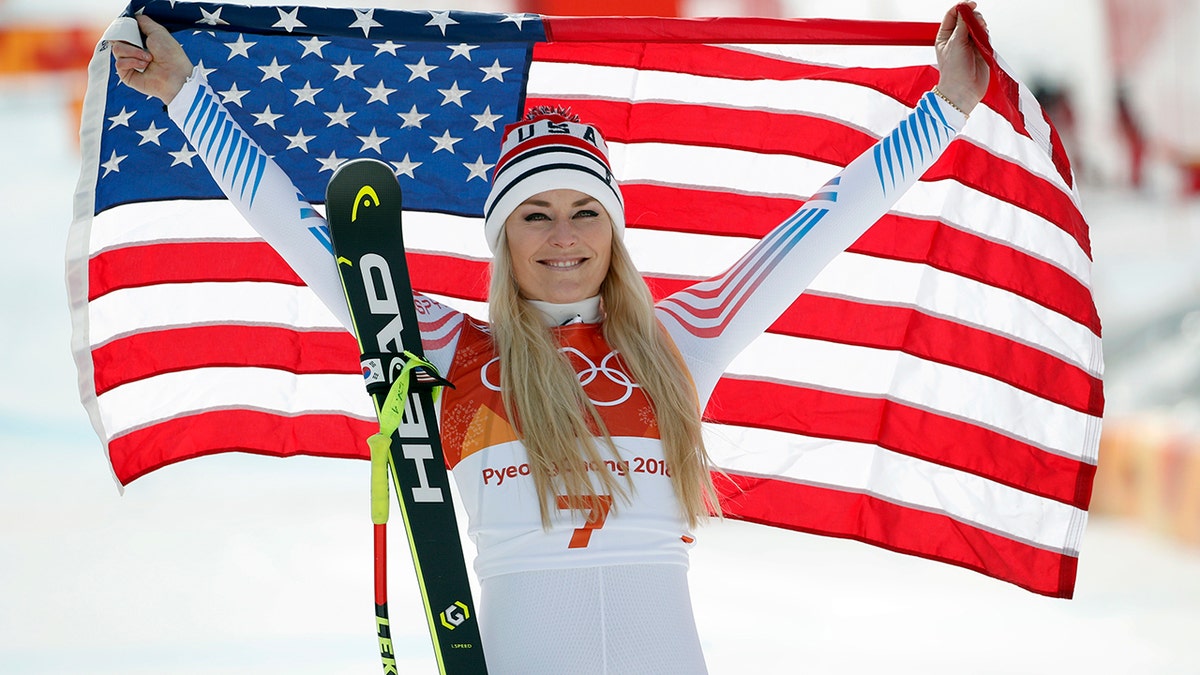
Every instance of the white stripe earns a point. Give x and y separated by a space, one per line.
218 220
942 389
156 399
136 310
899 479
169 221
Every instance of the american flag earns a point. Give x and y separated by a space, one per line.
937 390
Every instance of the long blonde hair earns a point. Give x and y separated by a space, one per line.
554 417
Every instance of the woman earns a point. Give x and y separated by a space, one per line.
574 430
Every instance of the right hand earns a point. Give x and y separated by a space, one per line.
159 70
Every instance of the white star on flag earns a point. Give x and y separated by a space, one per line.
453 94
240 47
300 140
313 45
183 155
389 47
307 93
462 49
420 69
406 166
478 169
412 118
379 93
233 95
114 163
374 141
444 142
121 119
151 134
331 162
212 18
273 71
203 70
518 19
346 69
494 72
366 21
340 117
441 20
266 117
288 20
485 119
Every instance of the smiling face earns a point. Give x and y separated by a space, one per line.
560 242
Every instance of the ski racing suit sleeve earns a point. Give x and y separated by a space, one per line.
713 320
270 202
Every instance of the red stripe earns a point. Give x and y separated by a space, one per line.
140 452
143 355
903 429
736 29
148 264
825 141
455 276
865 518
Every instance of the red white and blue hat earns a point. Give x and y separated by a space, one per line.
550 150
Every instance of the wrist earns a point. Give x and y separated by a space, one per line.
954 99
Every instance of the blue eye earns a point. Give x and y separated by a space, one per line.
587 213
536 215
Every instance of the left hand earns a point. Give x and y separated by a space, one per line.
964 72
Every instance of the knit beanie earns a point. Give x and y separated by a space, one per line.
550 150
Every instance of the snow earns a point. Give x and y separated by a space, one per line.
243 564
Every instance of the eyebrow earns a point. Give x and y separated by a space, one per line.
546 204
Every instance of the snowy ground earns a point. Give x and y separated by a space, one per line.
241 564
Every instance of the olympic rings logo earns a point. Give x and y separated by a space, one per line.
586 375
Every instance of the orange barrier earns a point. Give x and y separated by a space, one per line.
1149 471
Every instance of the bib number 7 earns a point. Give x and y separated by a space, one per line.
597 509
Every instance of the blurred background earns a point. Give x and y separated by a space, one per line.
246 565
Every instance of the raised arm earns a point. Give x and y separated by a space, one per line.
714 320
265 196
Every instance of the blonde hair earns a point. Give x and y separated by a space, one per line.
557 422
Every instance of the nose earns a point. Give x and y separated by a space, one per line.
563 233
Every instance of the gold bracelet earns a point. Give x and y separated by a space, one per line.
939 94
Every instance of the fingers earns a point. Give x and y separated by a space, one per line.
148 25
949 21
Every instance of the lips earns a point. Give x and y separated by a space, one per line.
563 264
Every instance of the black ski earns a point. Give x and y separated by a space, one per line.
363 209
